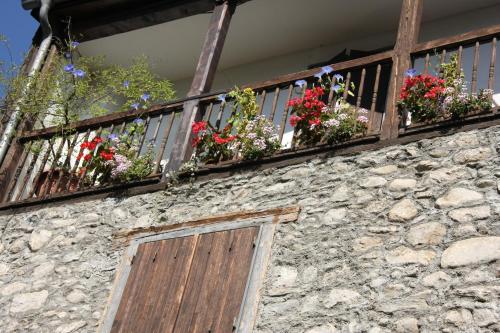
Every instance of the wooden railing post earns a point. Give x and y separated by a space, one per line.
202 81
407 38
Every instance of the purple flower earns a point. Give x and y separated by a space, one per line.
69 68
78 73
74 44
126 83
145 97
135 106
138 121
222 98
319 75
300 83
113 137
411 72
327 69
67 55
338 77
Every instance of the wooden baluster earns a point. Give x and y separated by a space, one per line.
493 59
27 176
347 84
459 56
294 138
219 116
157 129
474 68
427 63
373 113
361 87
67 161
262 100
40 169
275 104
442 60
52 168
66 187
143 137
208 114
331 101
17 173
164 141
285 113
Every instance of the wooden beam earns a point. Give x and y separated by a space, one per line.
202 81
407 38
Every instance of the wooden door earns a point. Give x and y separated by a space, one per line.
189 284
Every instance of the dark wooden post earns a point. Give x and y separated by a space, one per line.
407 37
202 81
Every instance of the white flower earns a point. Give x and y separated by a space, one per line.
363 119
332 123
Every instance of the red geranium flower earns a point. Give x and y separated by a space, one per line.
87 157
199 126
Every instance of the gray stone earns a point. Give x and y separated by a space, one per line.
309 274
372 182
38 239
13 288
471 252
403 211
284 278
334 216
436 280
472 155
328 328
426 165
43 270
143 222
345 296
409 304
17 246
407 325
470 214
4 268
458 196
365 243
485 317
341 194
431 233
459 318
76 296
71 327
2 247
403 255
385 170
402 184
28 301
438 152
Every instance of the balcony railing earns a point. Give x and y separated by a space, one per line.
52 169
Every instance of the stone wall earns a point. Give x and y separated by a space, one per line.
401 239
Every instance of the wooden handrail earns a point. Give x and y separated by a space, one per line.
290 78
458 39
118 117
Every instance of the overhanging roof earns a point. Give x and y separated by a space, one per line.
93 19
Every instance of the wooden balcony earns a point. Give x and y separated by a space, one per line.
51 172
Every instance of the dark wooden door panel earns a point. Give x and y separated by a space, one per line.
187 285
157 265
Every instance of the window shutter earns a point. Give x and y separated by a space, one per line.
188 284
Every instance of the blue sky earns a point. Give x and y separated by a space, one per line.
19 27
